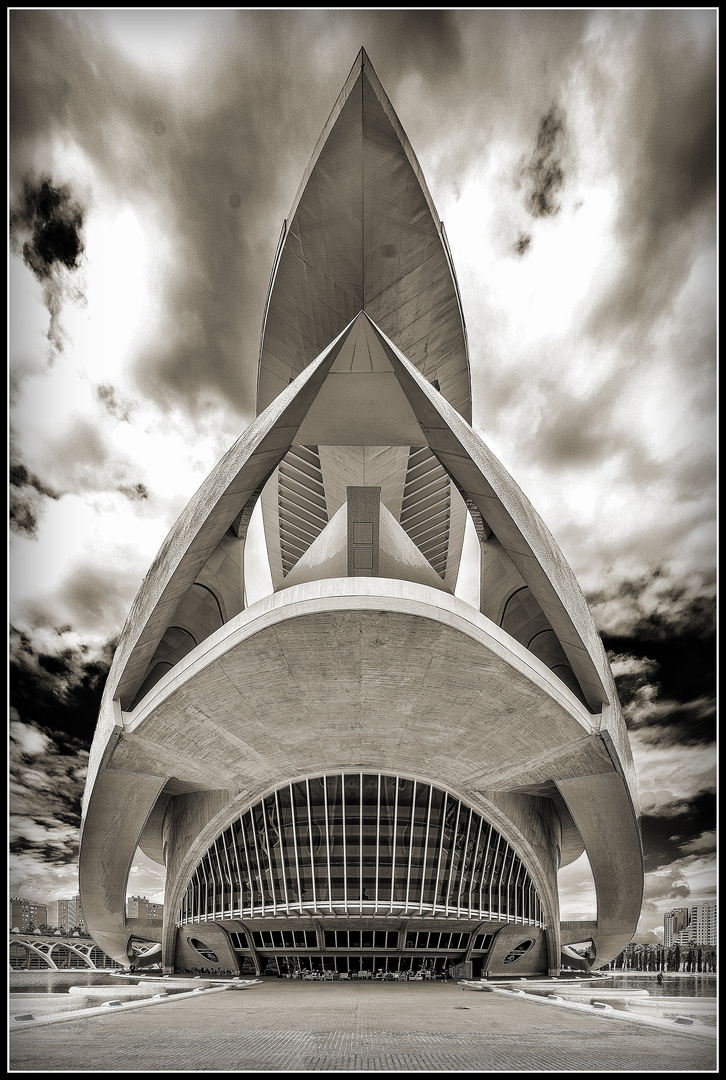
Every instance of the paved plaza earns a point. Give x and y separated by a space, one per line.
281 1026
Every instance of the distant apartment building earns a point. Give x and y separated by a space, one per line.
675 924
70 913
695 925
27 914
705 920
138 907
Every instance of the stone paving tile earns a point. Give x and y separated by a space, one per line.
289 1027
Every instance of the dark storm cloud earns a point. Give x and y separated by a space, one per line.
666 839
58 693
523 244
52 220
663 142
658 609
543 173
26 498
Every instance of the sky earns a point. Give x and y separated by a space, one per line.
571 157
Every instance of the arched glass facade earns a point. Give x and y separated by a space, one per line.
361 844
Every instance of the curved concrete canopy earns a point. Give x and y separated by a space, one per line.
363 235
310 678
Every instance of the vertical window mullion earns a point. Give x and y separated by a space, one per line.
484 869
501 876
327 842
230 875
410 842
250 868
294 841
454 838
221 881
268 852
239 869
257 858
509 882
426 851
283 851
441 848
310 844
345 850
360 843
494 863
378 836
462 872
206 892
474 862
393 853
516 887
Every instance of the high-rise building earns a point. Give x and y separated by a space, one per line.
27 914
138 907
695 925
674 924
706 923
70 913
362 770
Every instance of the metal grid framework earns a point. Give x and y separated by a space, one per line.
381 845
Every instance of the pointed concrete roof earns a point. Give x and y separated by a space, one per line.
363 235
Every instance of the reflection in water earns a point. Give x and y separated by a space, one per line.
60 982
672 986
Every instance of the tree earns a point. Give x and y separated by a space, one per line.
677 957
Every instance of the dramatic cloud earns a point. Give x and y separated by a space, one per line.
543 173
26 495
53 222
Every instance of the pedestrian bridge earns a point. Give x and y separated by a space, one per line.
39 952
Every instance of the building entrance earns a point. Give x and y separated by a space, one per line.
362 966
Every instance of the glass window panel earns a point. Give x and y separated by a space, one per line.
369 835
410 940
444 941
341 939
277 939
335 830
392 939
329 937
403 838
434 941
367 939
352 834
311 939
354 937
299 939
423 939
385 853
379 940
464 940
257 938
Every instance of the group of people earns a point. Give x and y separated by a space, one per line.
380 975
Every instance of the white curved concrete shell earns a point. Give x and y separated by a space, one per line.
228 736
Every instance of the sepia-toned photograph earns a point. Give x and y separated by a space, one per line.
362 540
